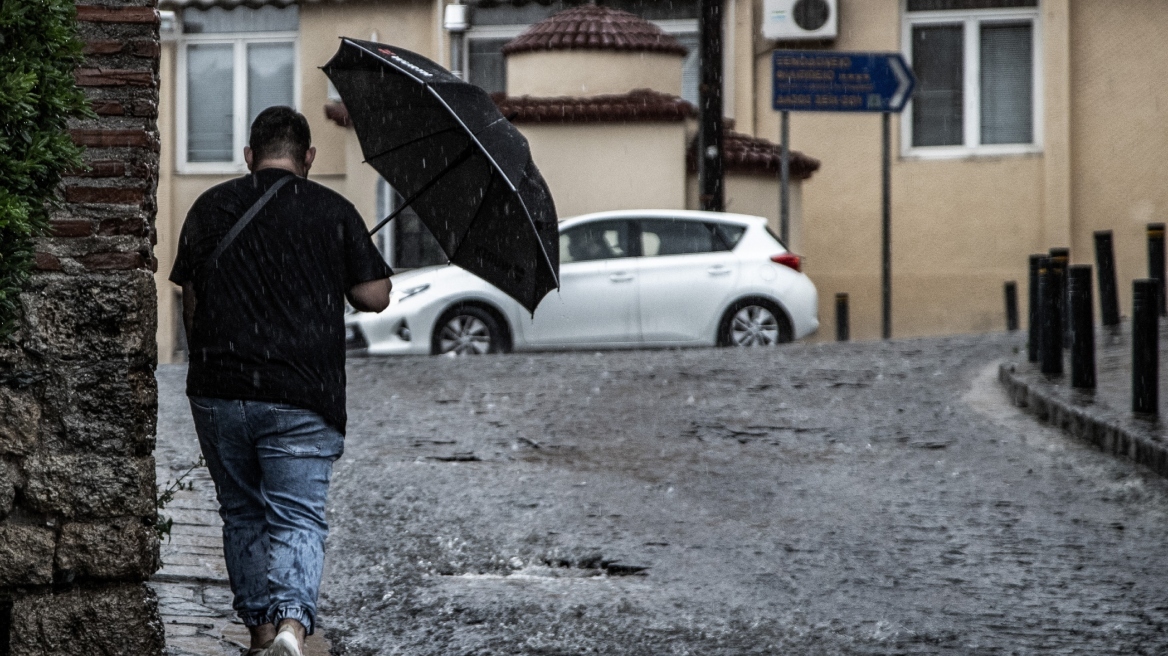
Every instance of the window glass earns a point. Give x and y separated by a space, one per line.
210 102
938 54
486 66
661 237
600 240
269 77
1007 84
217 20
730 234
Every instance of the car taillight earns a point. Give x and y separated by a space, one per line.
788 260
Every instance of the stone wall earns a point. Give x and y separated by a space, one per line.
77 392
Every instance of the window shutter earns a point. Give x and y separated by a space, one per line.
210 102
270 69
1007 84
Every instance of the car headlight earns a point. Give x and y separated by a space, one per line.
412 291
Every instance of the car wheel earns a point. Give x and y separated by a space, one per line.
466 330
754 322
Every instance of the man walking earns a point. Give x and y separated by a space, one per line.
265 262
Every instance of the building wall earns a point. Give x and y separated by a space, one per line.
960 227
610 166
1119 143
574 73
77 392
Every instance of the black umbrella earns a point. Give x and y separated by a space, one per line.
457 161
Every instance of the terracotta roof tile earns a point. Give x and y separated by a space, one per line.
639 105
742 153
591 27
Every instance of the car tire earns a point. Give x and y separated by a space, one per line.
467 330
753 322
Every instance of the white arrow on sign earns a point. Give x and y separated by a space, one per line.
903 80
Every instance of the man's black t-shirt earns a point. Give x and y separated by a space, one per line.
269 318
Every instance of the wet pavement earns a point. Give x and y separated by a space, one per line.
1103 415
865 498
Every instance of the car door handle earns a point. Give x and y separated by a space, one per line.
621 277
718 270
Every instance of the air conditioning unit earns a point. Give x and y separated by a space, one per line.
800 20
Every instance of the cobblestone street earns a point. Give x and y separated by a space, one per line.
863 498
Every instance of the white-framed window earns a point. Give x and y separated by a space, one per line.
978 69
232 64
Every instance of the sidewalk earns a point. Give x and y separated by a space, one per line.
1102 417
194 597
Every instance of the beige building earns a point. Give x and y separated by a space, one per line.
1034 123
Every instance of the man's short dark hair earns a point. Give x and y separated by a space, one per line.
280 132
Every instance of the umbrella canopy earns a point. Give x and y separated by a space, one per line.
465 170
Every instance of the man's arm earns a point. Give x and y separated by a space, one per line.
188 299
371 296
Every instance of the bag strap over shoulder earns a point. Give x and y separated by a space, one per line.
244 220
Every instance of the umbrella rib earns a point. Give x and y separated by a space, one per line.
410 143
462 157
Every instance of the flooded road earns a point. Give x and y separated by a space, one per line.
816 499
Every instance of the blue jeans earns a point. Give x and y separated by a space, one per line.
271 464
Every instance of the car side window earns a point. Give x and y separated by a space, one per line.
660 237
599 240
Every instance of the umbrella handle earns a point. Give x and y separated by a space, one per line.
462 157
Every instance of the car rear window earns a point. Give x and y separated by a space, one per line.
730 234
662 237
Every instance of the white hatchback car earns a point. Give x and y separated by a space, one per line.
652 278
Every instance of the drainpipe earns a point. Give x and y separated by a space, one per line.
456 20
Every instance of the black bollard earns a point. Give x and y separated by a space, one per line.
1032 318
1011 306
1060 259
1156 260
1051 340
1145 346
841 317
1108 290
1082 326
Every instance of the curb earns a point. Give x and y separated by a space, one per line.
1074 413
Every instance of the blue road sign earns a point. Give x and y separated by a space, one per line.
825 81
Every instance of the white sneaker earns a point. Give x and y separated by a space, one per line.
284 645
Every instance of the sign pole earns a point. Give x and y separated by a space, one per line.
834 81
785 179
886 223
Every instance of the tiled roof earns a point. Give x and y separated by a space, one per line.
742 153
592 27
639 105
